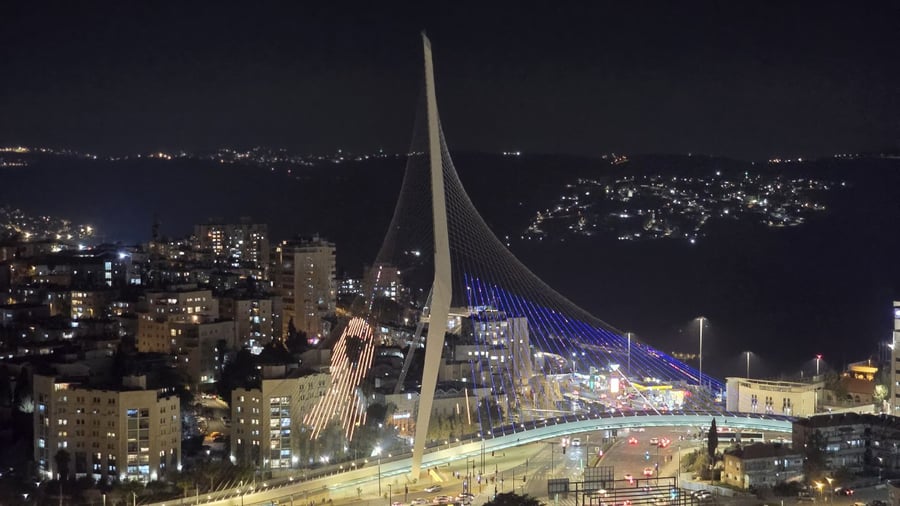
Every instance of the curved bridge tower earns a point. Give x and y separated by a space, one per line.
442 286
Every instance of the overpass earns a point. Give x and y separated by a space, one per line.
283 490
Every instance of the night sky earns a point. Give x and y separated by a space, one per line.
742 79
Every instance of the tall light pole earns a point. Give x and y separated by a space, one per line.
628 335
390 493
818 359
378 452
748 365
482 455
701 352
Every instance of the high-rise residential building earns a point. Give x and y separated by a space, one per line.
186 304
159 309
257 319
124 432
895 362
185 323
266 421
307 284
236 245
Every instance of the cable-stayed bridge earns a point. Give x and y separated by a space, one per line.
529 352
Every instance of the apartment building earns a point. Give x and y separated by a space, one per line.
267 421
126 431
306 281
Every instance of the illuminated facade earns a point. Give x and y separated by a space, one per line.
257 319
236 245
126 432
306 282
859 442
159 309
266 421
773 397
350 362
89 304
185 323
762 465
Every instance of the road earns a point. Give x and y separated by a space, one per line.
515 453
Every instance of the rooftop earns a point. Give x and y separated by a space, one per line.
762 451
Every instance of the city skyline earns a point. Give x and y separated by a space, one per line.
506 320
746 81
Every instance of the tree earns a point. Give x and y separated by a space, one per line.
295 341
489 413
353 348
62 459
177 380
712 440
814 455
22 392
513 499
239 373
700 464
835 383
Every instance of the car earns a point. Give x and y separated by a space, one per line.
806 498
576 441
433 488
654 441
443 499
843 491
632 441
629 477
396 503
701 495
648 471
418 501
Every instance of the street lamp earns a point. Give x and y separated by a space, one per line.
748 365
378 452
628 335
701 351
818 359
482 455
830 488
